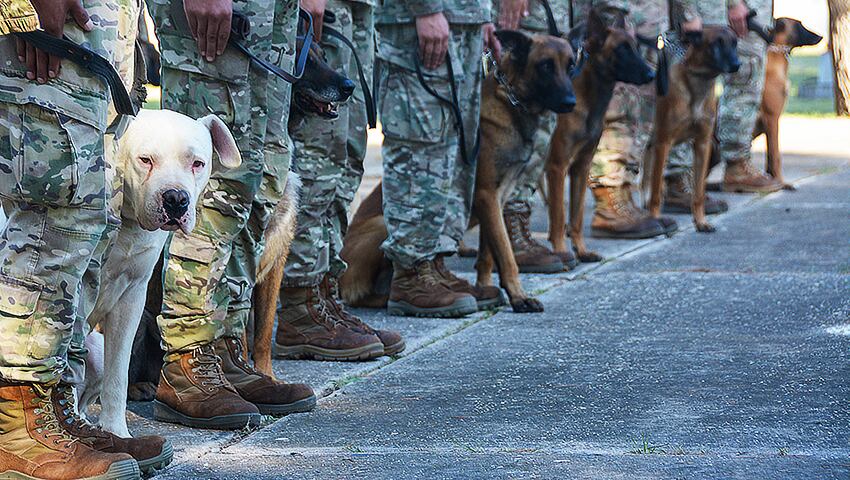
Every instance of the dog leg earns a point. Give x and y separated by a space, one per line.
774 155
493 227
485 262
556 174
702 153
661 151
578 189
90 390
265 303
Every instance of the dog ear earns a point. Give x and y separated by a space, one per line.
517 43
223 142
577 35
597 30
692 38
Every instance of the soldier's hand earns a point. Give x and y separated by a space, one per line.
209 21
491 41
433 32
694 25
738 19
316 9
51 15
511 13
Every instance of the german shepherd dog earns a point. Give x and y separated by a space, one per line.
316 93
612 56
688 112
533 77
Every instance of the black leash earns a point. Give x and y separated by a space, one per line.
550 19
86 59
454 104
662 77
759 29
371 110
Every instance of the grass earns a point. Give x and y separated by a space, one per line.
643 446
802 68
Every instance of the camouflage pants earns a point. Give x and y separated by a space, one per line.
55 188
427 186
329 157
210 274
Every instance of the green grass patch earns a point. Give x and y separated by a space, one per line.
801 69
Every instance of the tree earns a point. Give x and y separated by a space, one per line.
839 41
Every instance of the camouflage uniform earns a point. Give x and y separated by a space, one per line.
55 185
427 186
210 273
329 155
742 92
536 23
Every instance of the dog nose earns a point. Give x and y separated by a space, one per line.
734 66
347 87
175 203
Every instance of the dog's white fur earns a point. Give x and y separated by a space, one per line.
161 150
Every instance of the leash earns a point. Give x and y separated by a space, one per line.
662 77
86 59
550 19
754 26
371 109
453 104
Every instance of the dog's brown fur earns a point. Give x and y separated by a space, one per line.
687 113
507 134
578 132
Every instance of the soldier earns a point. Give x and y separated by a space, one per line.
532 256
210 274
54 187
329 155
741 100
428 180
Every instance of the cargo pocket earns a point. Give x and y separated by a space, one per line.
51 159
18 299
408 112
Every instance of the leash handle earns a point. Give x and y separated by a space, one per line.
371 109
754 26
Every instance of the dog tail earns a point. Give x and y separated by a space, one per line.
362 284
281 229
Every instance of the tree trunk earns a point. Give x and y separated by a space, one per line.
839 42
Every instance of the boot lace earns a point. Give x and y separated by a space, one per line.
520 232
46 421
331 297
428 275
206 366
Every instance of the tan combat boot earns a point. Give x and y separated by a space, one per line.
34 445
486 297
530 255
422 292
329 291
270 396
616 216
678 197
743 177
193 391
150 452
307 329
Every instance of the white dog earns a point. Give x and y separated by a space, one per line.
167 159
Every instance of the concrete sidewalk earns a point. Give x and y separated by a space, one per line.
699 356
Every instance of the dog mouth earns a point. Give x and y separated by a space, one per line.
308 103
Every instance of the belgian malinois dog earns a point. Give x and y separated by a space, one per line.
688 111
612 56
532 77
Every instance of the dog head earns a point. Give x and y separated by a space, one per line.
321 88
168 158
614 50
715 48
788 32
538 68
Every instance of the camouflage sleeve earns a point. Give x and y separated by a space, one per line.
418 8
733 3
17 16
607 9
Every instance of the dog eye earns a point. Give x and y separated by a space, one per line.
547 66
198 164
146 160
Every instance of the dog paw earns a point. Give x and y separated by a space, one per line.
527 305
789 187
705 227
589 257
141 392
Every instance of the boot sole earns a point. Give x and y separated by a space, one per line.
150 465
301 406
734 188
312 352
551 268
395 349
236 421
123 470
571 265
657 232
460 308
493 303
683 210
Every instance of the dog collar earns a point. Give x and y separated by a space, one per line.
783 49
490 65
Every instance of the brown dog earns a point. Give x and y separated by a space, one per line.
532 78
788 34
612 56
688 111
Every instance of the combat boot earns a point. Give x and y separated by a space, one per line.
150 452
616 216
329 291
678 197
530 255
34 444
486 297
422 292
270 396
193 391
742 177
307 329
